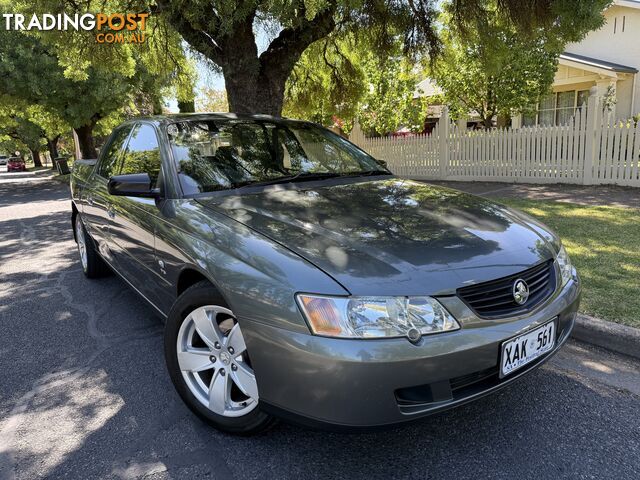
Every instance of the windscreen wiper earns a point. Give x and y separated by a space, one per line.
367 173
304 176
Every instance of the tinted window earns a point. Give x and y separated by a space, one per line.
112 152
143 153
222 154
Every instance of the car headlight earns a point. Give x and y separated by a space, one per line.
565 265
375 317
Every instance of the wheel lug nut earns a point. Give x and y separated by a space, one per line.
217 345
222 372
212 359
231 350
234 367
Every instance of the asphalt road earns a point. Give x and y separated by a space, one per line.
84 393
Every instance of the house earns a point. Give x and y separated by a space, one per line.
427 88
605 63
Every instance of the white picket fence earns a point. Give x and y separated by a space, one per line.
591 149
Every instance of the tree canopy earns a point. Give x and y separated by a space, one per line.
224 32
85 82
489 66
351 82
212 100
82 82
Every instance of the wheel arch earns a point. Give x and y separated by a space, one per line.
190 275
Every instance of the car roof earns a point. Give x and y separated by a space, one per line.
177 117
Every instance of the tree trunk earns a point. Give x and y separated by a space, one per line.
86 143
254 83
157 106
52 146
255 93
35 154
503 121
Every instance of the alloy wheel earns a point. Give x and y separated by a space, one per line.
213 360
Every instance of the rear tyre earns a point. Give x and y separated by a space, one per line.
209 364
93 265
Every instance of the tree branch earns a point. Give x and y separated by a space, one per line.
285 50
201 39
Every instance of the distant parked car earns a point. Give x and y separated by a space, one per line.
3 159
16 164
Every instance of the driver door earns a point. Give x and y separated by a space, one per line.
133 219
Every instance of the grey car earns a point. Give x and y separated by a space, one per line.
300 279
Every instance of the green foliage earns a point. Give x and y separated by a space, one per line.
497 66
223 32
161 54
339 80
80 83
32 73
212 100
389 103
17 130
329 81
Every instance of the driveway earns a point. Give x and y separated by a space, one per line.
84 392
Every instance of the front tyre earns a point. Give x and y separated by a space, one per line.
209 364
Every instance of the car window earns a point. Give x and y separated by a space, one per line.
221 154
142 154
113 152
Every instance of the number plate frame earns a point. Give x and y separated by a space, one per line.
531 334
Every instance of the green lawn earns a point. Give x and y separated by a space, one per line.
604 245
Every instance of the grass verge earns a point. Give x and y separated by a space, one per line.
604 245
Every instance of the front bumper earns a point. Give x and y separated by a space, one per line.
346 383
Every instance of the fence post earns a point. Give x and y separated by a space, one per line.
357 135
591 149
443 142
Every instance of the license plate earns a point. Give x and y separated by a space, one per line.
525 348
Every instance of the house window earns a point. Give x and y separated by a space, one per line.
546 110
565 107
556 108
582 98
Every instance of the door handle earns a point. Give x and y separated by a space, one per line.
111 211
90 199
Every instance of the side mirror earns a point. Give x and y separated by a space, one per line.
132 185
382 163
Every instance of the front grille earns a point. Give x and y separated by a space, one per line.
495 298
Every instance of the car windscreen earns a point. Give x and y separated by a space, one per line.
214 155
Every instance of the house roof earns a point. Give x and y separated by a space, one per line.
594 62
627 3
426 88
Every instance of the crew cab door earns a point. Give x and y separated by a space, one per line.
96 201
133 219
